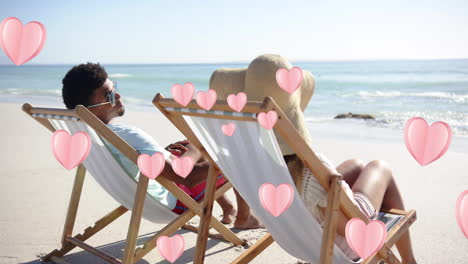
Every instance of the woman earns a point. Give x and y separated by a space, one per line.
371 187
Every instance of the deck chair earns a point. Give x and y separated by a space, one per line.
252 157
132 195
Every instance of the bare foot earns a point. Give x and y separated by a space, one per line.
250 223
228 216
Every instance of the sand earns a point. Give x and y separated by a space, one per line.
35 190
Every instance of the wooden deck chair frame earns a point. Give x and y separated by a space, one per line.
329 180
131 253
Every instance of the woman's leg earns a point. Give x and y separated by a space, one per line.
377 183
350 170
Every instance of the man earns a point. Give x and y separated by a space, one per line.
88 85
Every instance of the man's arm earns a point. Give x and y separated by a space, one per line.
185 149
198 174
200 168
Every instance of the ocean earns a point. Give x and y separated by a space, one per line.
392 91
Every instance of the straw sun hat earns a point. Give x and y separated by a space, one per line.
259 81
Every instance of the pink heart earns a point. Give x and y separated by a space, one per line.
21 43
289 80
427 144
237 102
267 120
462 212
228 129
183 166
364 239
276 200
70 150
151 166
206 99
183 94
171 248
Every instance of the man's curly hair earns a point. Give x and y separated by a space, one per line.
80 83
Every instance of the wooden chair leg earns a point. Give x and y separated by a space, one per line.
225 232
135 220
98 253
254 250
71 218
196 230
197 208
74 201
386 254
391 258
88 232
331 221
166 231
397 231
179 222
205 218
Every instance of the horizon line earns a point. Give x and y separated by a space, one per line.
238 62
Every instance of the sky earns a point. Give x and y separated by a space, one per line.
207 31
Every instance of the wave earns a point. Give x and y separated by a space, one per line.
458 121
314 119
135 101
120 75
457 98
395 78
19 91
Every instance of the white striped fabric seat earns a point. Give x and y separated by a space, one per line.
108 173
251 157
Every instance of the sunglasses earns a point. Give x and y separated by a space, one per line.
110 97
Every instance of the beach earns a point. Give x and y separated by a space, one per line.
36 190
358 71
